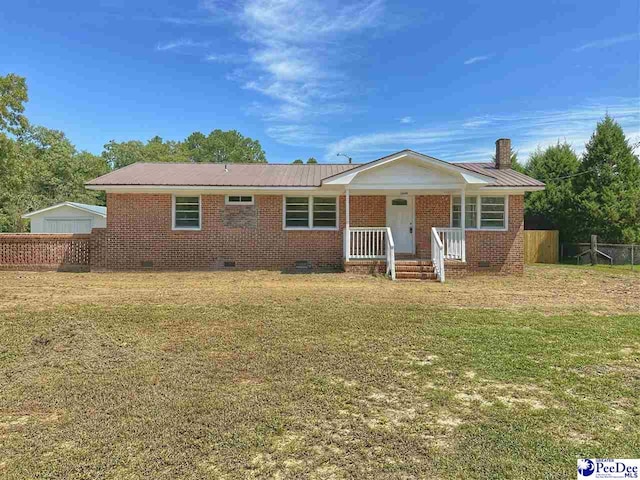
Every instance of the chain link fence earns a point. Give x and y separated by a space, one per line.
608 254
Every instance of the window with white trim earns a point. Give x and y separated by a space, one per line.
492 212
471 212
489 212
186 213
311 212
239 199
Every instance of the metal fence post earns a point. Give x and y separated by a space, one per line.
632 256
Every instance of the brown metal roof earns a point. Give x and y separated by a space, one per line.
504 178
214 174
266 175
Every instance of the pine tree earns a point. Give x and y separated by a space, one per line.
554 206
608 186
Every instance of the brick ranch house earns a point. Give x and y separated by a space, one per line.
399 215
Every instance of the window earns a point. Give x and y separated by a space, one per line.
311 212
186 213
471 216
297 212
399 202
324 212
239 199
492 212
488 212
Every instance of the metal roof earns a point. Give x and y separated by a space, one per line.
97 209
504 178
267 175
215 174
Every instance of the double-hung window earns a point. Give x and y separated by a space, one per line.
483 212
492 212
311 213
186 212
471 212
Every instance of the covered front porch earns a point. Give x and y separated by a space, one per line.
408 215
413 240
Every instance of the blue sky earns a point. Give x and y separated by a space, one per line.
316 78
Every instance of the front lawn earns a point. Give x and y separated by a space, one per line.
254 375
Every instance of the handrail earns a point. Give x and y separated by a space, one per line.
437 254
453 240
391 255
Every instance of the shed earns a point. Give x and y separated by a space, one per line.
68 217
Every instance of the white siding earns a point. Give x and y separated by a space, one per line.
66 220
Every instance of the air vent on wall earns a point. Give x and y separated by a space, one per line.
484 264
147 264
303 265
229 264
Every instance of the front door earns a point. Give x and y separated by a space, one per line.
400 219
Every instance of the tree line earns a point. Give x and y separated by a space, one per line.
597 193
40 166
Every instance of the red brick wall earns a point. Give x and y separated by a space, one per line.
139 230
431 211
32 251
503 250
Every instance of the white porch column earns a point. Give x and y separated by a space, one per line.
463 216
347 231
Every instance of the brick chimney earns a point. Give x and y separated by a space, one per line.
503 153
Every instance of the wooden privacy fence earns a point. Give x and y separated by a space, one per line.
29 251
541 246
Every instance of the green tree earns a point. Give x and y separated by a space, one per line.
607 185
312 160
555 205
298 161
13 96
223 147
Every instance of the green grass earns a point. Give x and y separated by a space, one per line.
327 376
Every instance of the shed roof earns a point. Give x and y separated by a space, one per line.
96 209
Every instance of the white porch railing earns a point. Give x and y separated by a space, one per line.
391 255
437 254
370 243
453 242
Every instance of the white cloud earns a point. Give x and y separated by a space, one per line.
294 50
607 42
473 139
406 120
480 58
298 135
226 58
181 44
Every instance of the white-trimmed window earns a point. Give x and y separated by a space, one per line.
492 212
487 212
238 199
319 213
186 212
471 216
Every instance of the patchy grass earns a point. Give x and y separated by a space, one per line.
253 375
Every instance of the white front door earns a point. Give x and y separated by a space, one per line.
400 219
